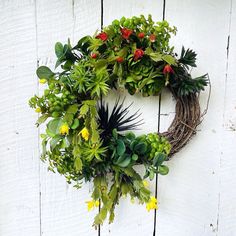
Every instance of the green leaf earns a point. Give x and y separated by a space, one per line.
54 125
130 136
49 133
120 147
54 141
75 124
84 110
123 161
134 157
42 119
43 136
159 158
59 50
140 148
124 189
169 59
163 170
95 136
44 147
68 118
43 72
130 79
114 133
151 174
156 56
72 109
78 164
100 64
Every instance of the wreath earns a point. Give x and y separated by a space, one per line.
87 140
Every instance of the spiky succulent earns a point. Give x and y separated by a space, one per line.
118 118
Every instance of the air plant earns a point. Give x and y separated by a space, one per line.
118 119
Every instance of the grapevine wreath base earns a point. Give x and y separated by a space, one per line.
183 127
85 140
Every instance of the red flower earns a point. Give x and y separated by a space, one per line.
119 59
103 36
168 69
152 38
94 55
141 35
126 32
138 54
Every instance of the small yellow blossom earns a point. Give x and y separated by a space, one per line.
145 183
152 204
92 204
42 81
85 133
38 110
64 129
96 203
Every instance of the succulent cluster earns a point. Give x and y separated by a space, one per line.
83 139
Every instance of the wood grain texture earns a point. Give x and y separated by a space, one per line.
63 208
134 219
189 195
227 195
19 176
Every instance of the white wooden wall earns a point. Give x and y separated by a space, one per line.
197 198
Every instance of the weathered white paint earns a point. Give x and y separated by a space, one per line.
191 202
197 197
63 208
19 162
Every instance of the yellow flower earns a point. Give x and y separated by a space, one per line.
85 133
152 204
92 204
38 110
145 183
42 81
96 203
64 129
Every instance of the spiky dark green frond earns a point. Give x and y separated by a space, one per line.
188 57
188 86
119 118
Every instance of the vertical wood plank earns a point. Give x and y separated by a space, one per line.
189 195
64 210
19 176
134 219
227 203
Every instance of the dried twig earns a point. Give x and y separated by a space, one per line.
187 118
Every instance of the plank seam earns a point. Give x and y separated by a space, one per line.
39 168
74 20
99 208
158 130
225 92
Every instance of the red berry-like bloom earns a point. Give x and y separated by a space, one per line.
141 35
126 32
119 59
138 54
103 36
168 69
94 55
152 38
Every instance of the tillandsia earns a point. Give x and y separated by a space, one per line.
83 140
